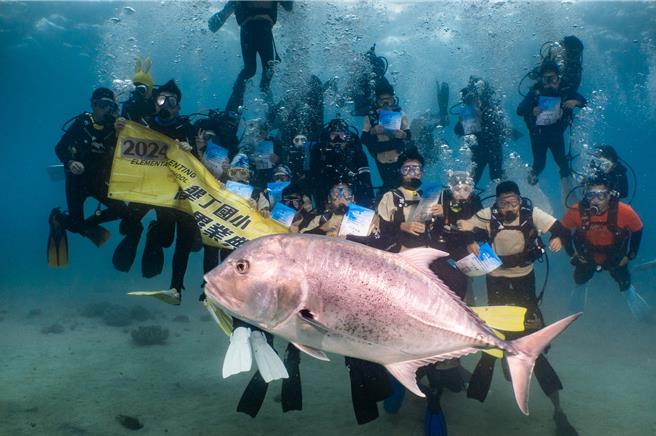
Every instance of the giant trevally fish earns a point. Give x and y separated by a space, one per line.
328 294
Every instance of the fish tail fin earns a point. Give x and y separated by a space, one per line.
528 348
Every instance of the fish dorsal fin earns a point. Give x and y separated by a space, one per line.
422 257
406 372
317 354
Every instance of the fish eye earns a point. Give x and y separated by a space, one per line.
242 266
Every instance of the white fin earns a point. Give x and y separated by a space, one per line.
317 354
268 362
239 357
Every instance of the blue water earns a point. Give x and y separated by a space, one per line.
55 53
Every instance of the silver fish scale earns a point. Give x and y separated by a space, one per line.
381 298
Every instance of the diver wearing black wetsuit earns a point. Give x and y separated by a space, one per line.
482 117
339 157
548 111
86 150
256 19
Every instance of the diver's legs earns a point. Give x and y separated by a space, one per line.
557 146
249 54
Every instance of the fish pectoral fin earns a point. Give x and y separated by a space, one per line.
406 374
317 354
506 318
307 316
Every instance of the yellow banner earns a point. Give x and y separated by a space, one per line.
151 168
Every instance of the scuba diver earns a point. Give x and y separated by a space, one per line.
481 119
457 202
401 231
547 110
301 111
369 381
263 150
422 127
256 20
607 164
86 149
371 70
385 133
568 55
339 157
513 226
297 158
220 143
161 232
140 104
607 234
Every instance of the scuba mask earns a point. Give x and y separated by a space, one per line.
141 90
341 192
461 185
299 141
461 192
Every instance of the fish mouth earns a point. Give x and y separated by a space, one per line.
223 299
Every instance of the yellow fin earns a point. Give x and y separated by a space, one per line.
506 318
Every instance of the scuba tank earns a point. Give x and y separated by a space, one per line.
365 84
568 55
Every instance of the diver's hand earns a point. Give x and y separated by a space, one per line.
571 104
377 129
465 226
184 145
536 110
437 210
307 204
413 228
474 249
624 261
555 245
75 167
266 213
252 203
201 139
400 134
119 124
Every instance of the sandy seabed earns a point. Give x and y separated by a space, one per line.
77 382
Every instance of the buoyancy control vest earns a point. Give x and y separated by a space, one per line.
533 245
586 248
